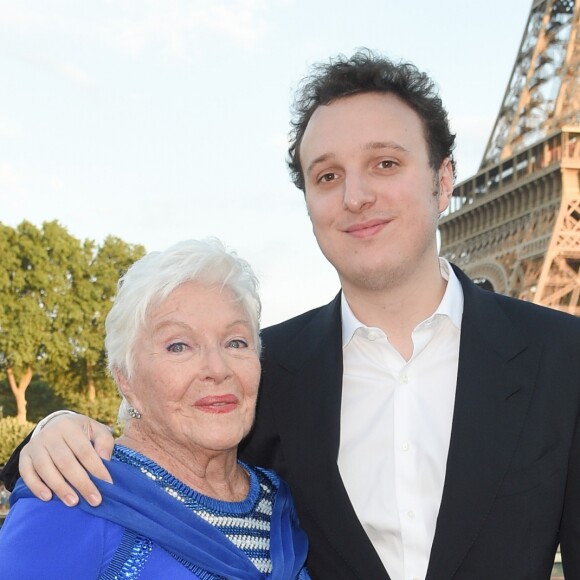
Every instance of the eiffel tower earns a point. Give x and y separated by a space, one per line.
514 227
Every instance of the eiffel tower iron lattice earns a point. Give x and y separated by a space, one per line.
515 225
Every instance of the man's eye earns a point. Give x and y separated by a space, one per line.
177 347
387 164
237 343
327 177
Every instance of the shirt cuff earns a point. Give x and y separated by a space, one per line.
42 424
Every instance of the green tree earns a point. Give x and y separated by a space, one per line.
41 400
90 302
11 434
38 268
55 293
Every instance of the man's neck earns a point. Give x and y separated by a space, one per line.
398 309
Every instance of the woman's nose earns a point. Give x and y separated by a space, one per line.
214 365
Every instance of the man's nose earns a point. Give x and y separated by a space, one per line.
358 193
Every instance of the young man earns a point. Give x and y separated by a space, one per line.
427 428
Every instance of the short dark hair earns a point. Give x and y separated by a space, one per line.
367 72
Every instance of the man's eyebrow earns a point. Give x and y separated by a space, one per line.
385 145
367 147
320 159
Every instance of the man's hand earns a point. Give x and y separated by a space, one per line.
62 453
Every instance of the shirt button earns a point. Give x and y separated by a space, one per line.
404 379
411 514
372 336
406 446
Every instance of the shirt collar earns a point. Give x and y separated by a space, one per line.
451 305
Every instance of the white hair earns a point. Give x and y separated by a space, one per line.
150 281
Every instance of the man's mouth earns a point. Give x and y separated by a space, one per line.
367 229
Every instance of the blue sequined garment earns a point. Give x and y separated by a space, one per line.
152 526
246 524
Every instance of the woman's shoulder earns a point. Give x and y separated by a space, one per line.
66 542
264 474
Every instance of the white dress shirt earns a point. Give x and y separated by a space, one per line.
395 430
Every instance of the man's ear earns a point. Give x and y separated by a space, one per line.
446 182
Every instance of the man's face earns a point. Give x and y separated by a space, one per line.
370 189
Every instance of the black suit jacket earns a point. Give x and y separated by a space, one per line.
512 485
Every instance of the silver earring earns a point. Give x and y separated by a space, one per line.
133 413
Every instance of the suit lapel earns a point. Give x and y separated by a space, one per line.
496 377
311 446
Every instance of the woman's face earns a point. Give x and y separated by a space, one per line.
196 370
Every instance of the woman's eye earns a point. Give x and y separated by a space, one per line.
237 343
177 347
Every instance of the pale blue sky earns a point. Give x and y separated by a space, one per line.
161 120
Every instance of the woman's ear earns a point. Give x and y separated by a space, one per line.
122 381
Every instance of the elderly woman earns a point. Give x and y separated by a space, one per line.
183 347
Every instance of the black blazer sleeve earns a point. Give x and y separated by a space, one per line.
10 473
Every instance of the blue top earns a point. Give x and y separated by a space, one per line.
151 525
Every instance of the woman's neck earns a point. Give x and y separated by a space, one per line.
216 474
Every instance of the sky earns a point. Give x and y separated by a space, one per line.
162 120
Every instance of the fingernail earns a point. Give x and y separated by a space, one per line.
70 500
94 499
104 454
45 495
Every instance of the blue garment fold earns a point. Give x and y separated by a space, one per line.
137 503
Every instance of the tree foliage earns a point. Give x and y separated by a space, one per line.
55 292
11 434
91 300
